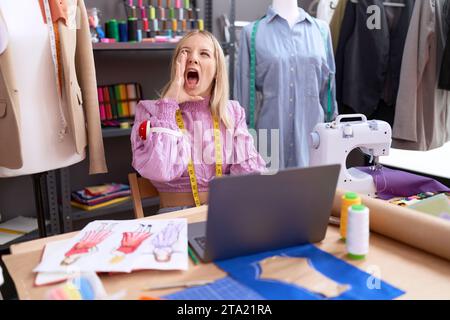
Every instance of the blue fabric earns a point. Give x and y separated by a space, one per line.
293 68
246 269
223 289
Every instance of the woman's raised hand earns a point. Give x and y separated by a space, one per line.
176 90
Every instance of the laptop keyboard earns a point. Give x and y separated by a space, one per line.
201 241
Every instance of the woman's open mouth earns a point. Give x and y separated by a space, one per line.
192 79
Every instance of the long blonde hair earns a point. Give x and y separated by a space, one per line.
220 89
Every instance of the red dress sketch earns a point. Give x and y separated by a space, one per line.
131 241
88 243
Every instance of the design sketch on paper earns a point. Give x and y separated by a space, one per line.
300 272
88 243
131 241
164 241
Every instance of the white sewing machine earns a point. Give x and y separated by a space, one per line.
331 143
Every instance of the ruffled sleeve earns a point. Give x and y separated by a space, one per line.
164 155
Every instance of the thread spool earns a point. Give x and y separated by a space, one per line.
145 26
171 13
132 29
164 25
200 24
112 29
177 4
123 31
184 25
155 25
174 25
168 3
192 24
160 3
180 14
143 13
130 3
152 13
140 3
358 232
186 4
133 12
348 199
162 13
190 14
139 35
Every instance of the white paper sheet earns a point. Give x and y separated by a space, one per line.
43 278
120 246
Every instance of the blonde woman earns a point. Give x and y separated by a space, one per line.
173 139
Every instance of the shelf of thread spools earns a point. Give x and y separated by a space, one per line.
151 25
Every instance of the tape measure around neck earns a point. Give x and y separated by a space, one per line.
218 153
253 74
55 47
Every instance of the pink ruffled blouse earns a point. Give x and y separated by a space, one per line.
163 157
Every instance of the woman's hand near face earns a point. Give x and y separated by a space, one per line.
176 90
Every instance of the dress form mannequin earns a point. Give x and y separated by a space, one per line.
42 149
293 80
287 9
3 36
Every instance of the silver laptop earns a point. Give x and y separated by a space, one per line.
255 213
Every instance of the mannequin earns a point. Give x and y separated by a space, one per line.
287 9
42 150
3 36
294 80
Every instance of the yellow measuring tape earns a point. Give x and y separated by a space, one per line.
218 151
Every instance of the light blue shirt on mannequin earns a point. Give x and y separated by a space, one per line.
293 68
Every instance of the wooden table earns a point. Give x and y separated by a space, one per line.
420 274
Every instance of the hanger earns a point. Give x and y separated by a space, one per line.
387 4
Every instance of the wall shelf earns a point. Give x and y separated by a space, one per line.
149 46
78 214
115 132
125 46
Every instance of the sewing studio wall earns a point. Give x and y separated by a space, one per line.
388 64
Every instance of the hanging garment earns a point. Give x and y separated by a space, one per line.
336 22
78 90
444 80
293 70
422 117
368 57
325 9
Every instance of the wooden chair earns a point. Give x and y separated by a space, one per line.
141 188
